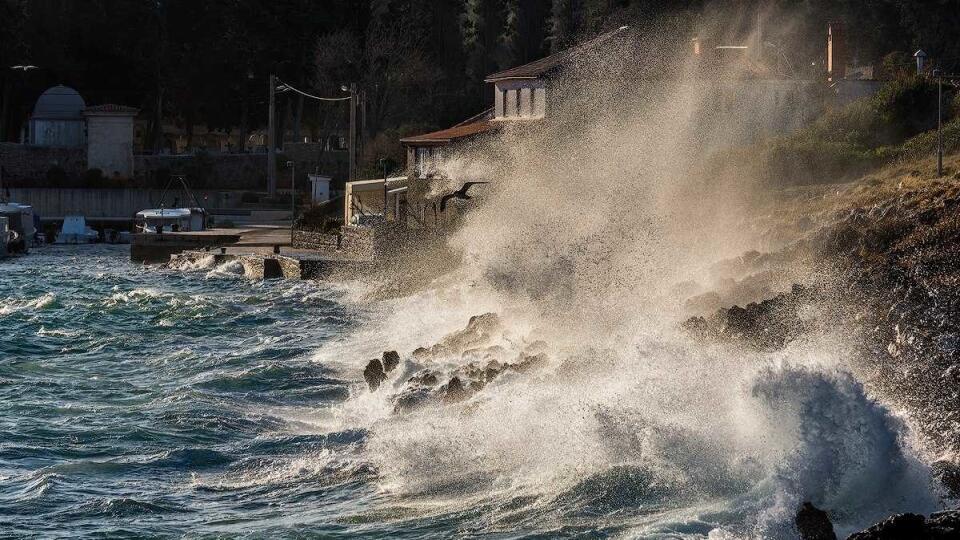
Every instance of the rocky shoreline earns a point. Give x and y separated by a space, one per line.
814 524
886 273
881 270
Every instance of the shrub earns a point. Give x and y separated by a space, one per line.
56 176
92 178
849 140
199 170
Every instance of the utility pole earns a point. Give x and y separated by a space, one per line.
939 75
383 163
271 139
353 131
293 195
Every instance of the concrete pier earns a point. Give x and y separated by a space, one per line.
263 263
159 248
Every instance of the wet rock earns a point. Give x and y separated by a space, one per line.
391 359
948 474
898 527
412 399
479 332
814 524
374 374
424 378
765 325
454 391
943 525
527 362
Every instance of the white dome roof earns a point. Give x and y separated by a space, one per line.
59 103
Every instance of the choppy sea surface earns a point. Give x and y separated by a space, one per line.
140 401
149 402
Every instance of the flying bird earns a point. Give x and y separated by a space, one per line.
458 194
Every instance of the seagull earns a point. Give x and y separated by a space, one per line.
458 194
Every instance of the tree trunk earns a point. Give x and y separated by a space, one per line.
4 111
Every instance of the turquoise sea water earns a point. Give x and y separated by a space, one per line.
137 401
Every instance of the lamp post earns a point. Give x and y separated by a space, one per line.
352 174
383 163
271 136
939 75
293 195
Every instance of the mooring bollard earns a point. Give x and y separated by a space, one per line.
276 249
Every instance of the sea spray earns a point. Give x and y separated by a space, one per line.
595 220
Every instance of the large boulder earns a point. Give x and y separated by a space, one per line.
898 527
390 360
374 374
814 524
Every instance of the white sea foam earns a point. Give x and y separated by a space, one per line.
594 219
13 305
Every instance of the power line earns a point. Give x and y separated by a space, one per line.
284 86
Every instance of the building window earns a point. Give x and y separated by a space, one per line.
540 102
425 160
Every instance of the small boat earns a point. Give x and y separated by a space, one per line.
20 222
4 237
170 220
113 236
76 231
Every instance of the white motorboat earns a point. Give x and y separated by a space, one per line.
170 220
76 231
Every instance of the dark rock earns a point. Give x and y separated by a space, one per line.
527 362
412 399
814 524
391 359
374 374
948 473
454 391
898 527
424 378
765 325
944 525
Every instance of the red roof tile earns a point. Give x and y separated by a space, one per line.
544 66
468 128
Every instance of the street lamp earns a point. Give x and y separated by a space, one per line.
24 68
293 195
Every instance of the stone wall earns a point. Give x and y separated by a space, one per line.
22 162
110 144
27 165
221 171
323 242
357 241
310 158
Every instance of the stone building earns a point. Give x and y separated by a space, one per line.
110 139
57 119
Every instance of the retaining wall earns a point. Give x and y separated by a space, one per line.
111 203
22 162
